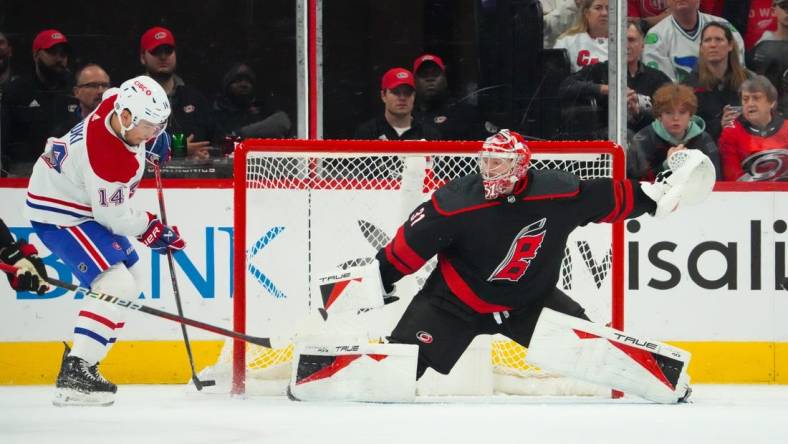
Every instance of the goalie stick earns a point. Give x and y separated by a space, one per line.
125 303
160 193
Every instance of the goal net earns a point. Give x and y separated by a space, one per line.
307 208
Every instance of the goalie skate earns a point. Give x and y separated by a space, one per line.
81 384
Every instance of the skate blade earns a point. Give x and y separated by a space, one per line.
70 397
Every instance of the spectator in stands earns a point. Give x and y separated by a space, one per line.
558 16
675 128
780 11
239 112
717 77
397 92
752 18
759 128
768 57
455 120
650 12
191 111
589 88
6 51
672 45
32 106
90 82
586 40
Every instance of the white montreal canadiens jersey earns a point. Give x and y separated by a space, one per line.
88 174
583 49
671 50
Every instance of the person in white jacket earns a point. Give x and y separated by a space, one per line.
586 40
672 45
78 202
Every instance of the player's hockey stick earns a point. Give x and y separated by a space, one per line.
131 305
160 192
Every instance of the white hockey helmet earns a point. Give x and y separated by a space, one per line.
503 160
146 101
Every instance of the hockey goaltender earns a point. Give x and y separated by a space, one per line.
499 236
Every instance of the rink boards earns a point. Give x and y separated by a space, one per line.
703 279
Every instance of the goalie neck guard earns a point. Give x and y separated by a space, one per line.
503 160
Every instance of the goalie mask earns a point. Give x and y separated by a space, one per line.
148 104
503 160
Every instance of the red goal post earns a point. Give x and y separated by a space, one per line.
301 165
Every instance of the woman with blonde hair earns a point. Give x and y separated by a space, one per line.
586 40
676 128
717 77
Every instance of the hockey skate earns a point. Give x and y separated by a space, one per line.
81 384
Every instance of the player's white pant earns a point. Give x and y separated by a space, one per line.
98 323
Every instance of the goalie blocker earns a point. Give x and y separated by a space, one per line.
577 348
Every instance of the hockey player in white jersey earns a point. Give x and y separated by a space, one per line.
673 44
78 202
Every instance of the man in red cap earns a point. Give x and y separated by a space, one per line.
397 92
32 107
190 118
455 119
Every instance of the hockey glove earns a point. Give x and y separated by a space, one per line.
160 237
158 149
31 273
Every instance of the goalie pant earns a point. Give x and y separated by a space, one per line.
498 260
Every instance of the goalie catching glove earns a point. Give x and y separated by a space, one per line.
31 274
688 180
159 237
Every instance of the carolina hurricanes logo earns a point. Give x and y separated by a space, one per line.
424 337
521 252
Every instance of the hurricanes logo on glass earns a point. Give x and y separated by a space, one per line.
523 249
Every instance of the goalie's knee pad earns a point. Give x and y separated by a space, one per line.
601 355
354 372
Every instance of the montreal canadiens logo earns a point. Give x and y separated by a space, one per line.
424 337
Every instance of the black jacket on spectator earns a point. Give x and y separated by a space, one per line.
246 115
582 89
454 121
379 128
191 113
649 148
30 114
712 101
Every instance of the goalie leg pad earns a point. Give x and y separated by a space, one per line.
354 372
594 353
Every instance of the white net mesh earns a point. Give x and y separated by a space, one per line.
308 213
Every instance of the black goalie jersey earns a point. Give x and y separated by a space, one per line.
503 254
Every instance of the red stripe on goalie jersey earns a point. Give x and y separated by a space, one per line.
463 291
623 201
401 255
643 357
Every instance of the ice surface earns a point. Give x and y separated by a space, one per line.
177 414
